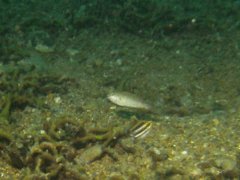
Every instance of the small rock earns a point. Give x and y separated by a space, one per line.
158 155
98 62
57 100
43 48
119 61
90 155
72 52
225 163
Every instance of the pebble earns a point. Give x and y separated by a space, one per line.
89 155
226 163
72 52
57 100
43 48
158 155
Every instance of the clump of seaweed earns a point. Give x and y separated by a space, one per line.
5 138
63 148
22 85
